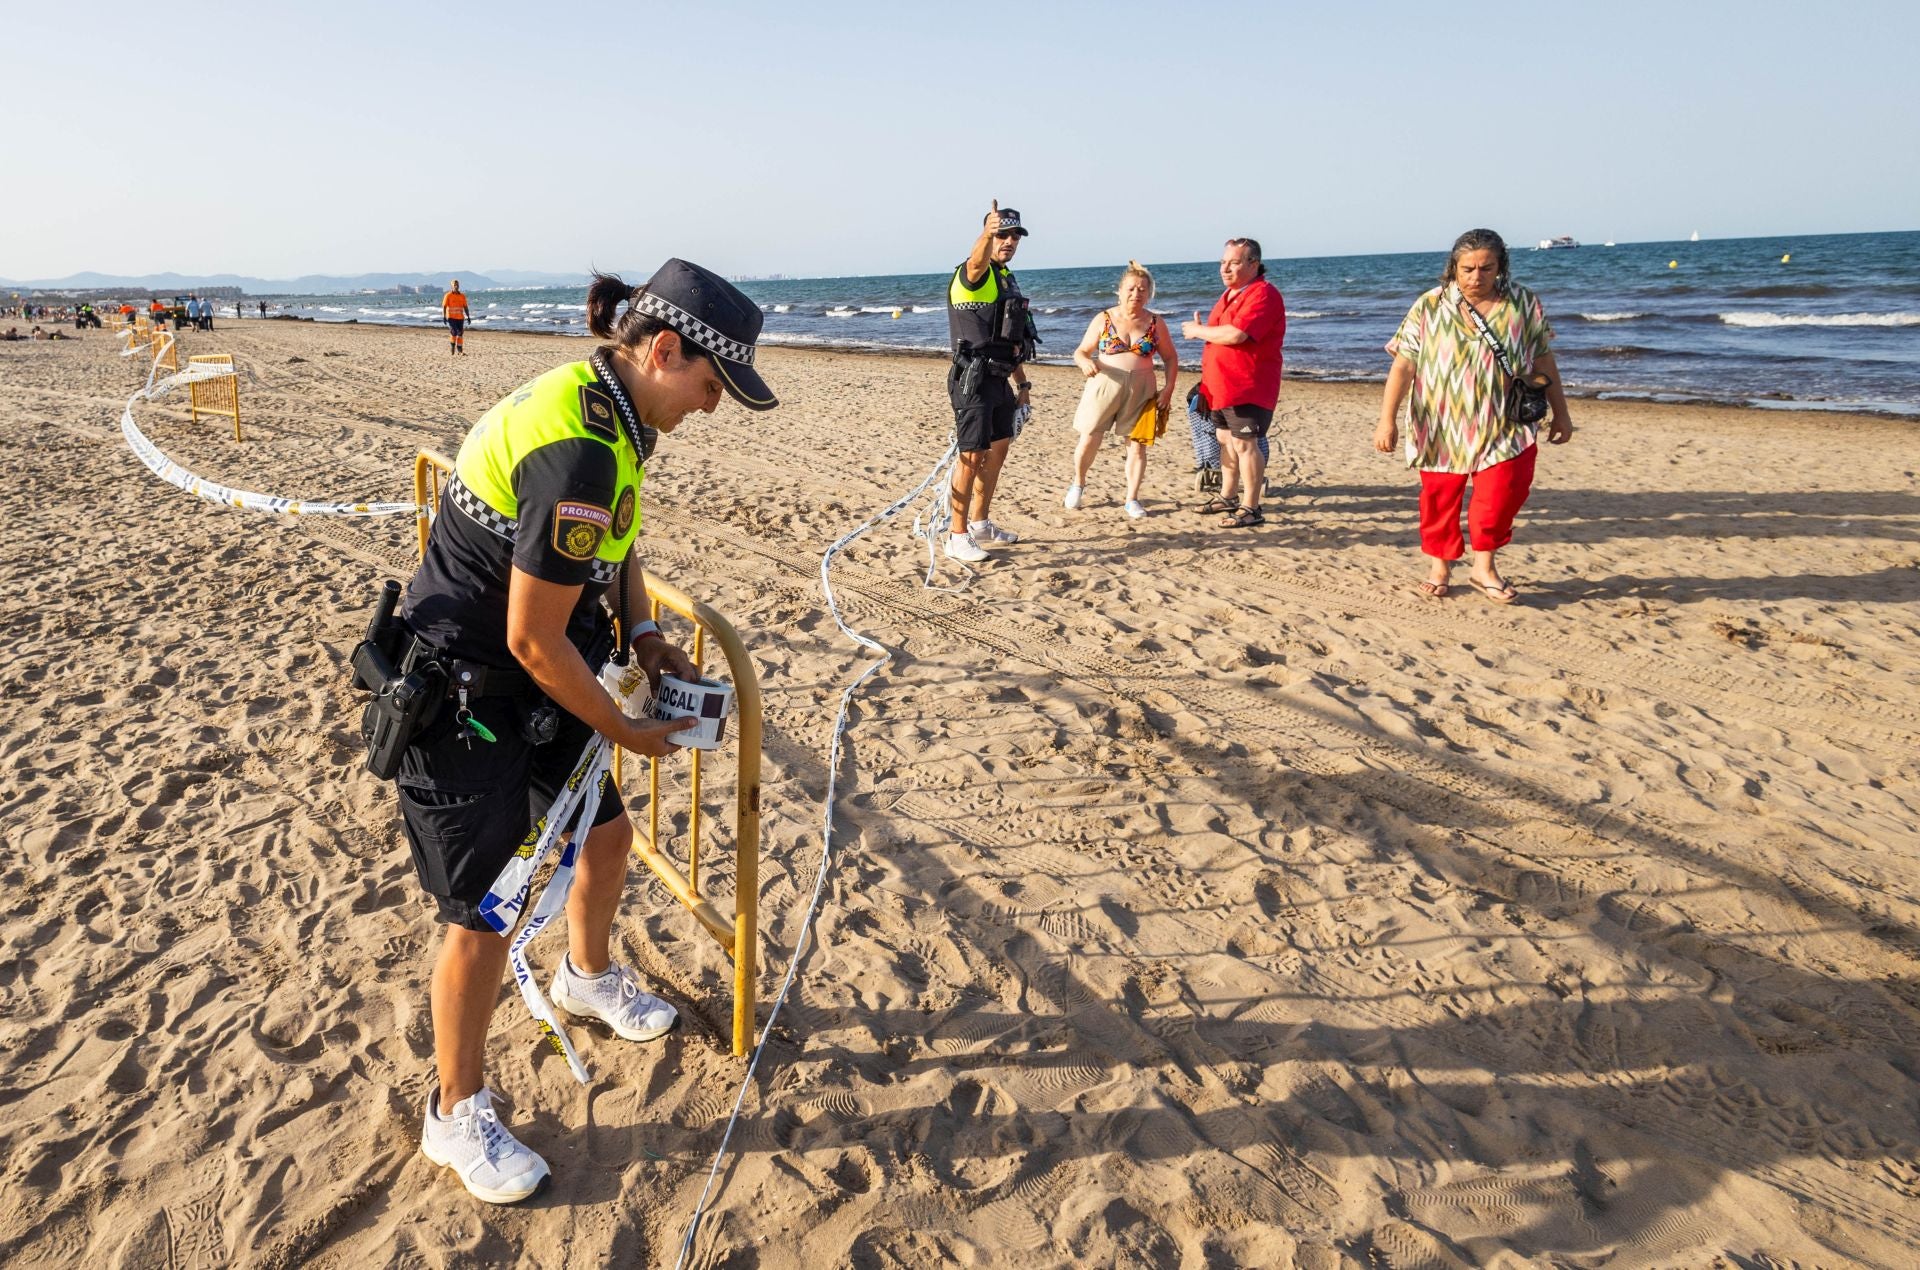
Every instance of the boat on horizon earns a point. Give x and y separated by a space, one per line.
1555 244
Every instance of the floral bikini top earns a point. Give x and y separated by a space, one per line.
1110 341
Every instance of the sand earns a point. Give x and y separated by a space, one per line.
1205 898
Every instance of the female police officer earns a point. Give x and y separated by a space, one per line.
539 518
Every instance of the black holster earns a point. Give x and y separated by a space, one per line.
408 691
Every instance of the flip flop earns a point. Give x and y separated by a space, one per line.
1502 594
1436 590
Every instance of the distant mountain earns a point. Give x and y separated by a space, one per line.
310 284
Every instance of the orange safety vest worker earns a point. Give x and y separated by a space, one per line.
454 306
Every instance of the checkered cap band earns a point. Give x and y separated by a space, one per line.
694 329
469 502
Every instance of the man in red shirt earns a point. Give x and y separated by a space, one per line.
1240 377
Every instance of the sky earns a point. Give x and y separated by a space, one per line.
275 139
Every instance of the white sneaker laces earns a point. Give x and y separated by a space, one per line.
486 1127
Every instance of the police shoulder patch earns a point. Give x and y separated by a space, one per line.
578 528
623 513
596 412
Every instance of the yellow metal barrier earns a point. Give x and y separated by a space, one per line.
167 355
740 938
219 396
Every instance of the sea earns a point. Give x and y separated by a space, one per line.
1823 321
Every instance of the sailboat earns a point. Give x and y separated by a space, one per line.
1695 238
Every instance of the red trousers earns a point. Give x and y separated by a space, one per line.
1499 493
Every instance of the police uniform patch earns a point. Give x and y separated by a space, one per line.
623 513
578 529
596 412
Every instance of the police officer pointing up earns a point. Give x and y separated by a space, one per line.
993 335
511 603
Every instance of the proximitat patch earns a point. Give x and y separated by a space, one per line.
578 529
596 412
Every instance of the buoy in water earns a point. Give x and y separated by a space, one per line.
1673 264
1784 259
896 315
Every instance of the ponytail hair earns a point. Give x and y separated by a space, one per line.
628 327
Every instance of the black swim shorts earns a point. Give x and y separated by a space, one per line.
1246 422
467 807
983 417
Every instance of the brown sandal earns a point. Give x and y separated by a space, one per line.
1215 505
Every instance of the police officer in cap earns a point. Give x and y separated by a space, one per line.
992 337
531 551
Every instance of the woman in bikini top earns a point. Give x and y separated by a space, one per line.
1121 384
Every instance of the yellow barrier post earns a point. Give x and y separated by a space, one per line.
741 938
167 354
217 396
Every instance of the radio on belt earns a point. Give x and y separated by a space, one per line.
704 703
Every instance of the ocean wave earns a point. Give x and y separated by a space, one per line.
1782 290
1820 319
842 311
1608 317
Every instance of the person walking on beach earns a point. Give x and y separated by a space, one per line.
539 522
1116 355
453 307
1459 429
1240 377
992 334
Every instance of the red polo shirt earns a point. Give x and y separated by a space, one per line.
1246 374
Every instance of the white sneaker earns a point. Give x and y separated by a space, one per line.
987 531
1135 509
491 1163
963 547
1072 500
615 999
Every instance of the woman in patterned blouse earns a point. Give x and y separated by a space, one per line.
1457 425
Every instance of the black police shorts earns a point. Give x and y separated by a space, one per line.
468 808
1246 422
983 417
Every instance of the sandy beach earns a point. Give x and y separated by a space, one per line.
1205 898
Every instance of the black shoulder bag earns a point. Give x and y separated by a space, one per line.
1526 401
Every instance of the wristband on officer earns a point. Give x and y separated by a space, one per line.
642 630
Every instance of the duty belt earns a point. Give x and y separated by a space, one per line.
477 678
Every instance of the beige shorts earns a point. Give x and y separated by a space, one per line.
1114 396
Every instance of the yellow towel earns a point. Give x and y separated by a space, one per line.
1146 428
